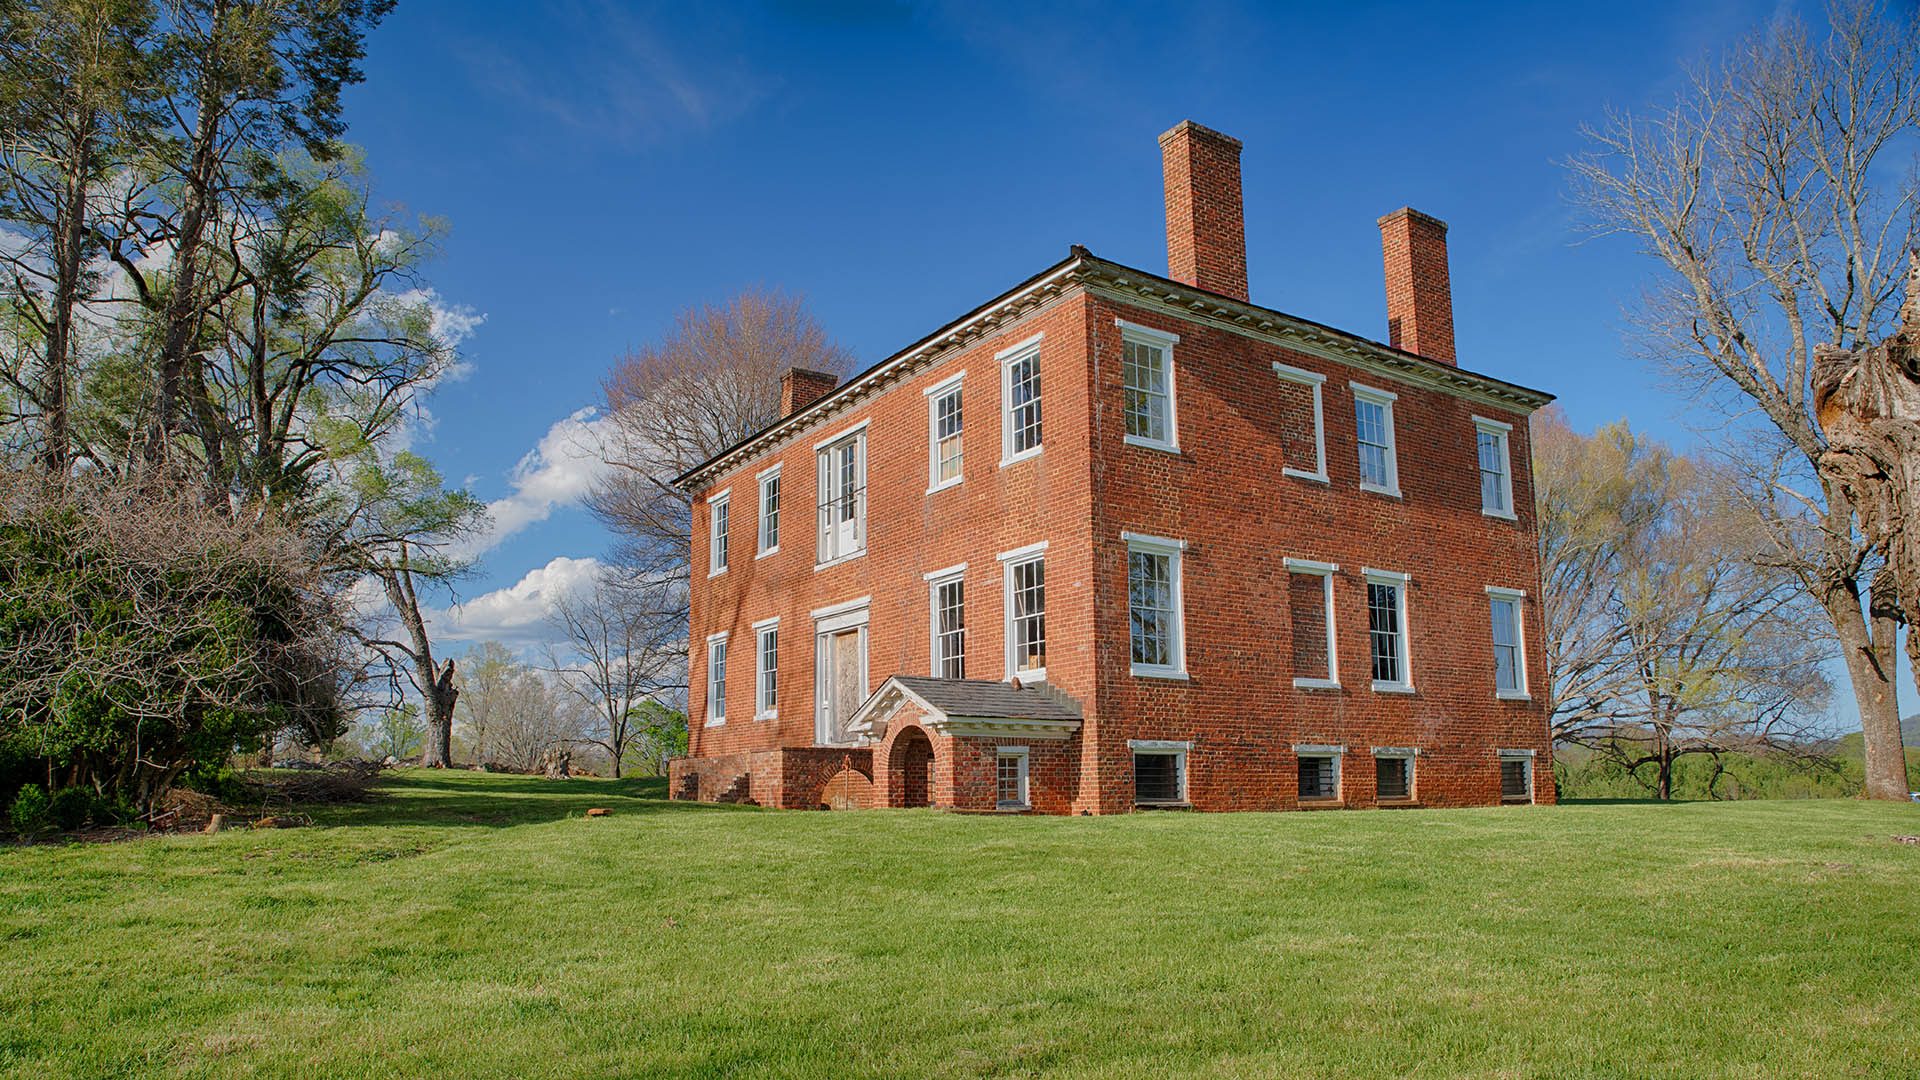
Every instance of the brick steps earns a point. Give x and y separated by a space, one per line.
740 791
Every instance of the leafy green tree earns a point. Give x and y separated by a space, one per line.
398 733
659 736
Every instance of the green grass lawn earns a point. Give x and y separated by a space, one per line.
477 926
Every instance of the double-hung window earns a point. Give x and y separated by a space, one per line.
1496 466
947 627
1373 432
717 511
843 494
1146 371
1509 654
717 680
1026 601
1010 778
1154 630
1387 631
943 434
1020 401
766 687
1303 429
1316 661
769 511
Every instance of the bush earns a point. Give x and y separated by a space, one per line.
29 810
71 808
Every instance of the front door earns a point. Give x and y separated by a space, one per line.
842 677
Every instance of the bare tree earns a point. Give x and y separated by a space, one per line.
1764 193
622 645
483 683
672 405
1670 632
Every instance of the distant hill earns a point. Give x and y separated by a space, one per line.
1910 730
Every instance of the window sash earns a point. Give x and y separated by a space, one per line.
1506 645
1144 376
946 437
716 680
950 629
1370 422
717 560
1027 614
1384 631
1493 471
769 688
1023 403
770 513
1152 615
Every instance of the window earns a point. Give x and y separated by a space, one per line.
1303 430
1153 606
1011 779
843 495
943 434
769 511
716 680
947 630
1026 592
1146 372
1496 473
1393 773
1373 426
1387 630
1509 655
1316 662
1319 772
1020 393
1516 776
1159 771
717 540
767 681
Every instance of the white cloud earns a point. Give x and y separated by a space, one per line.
557 472
517 614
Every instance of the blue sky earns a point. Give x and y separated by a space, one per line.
604 165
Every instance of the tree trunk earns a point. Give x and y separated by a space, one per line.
440 693
1869 651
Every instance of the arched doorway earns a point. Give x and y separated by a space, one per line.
910 764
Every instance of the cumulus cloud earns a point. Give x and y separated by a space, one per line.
517 614
557 472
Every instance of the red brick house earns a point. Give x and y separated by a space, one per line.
1116 540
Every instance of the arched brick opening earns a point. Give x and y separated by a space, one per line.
909 768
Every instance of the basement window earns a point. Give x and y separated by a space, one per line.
1319 773
1393 774
1516 776
1159 772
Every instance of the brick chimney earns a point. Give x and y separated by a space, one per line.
1419 296
1206 235
800 388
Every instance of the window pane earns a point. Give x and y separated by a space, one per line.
1023 403
1143 371
1318 778
1156 778
1383 626
1029 630
1395 777
1370 420
1307 604
1150 604
950 639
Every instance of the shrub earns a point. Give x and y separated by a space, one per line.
29 810
71 808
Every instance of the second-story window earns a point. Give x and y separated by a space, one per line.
770 511
948 627
717 538
1020 395
843 497
1387 630
1509 658
1303 430
1373 432
1153 606
1146 373
1026 593
1496 472
943 434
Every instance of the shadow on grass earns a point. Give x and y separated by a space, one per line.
455 797
1631 802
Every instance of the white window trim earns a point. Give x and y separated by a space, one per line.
1026 792
1533 794
714 719
716 541
760 524
1384 399
842 435
1176 749
934 393
1007 357
1008 561
1409 754
849 607
1504 432
1519 597
1164 341
1314 381
1338 754
759 633
1175 551
1390 577
934 580
1325 571
856 431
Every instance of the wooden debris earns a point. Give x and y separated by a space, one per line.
599 811
1905 839
216 823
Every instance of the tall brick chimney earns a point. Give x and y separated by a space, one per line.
1419 295
800 388
1206 235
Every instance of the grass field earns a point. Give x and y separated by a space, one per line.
477 926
